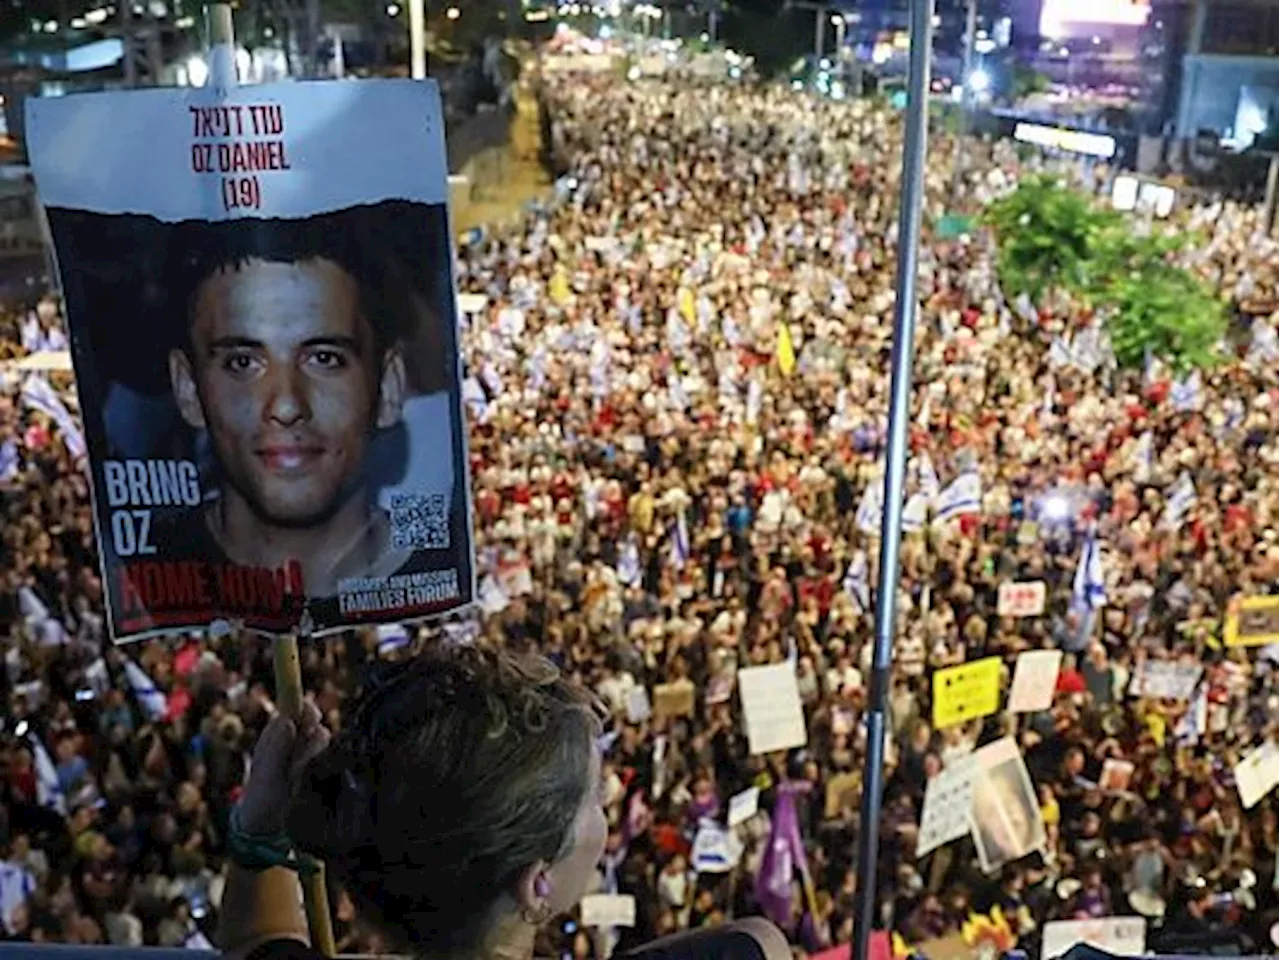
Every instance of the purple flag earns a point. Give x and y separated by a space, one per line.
782 858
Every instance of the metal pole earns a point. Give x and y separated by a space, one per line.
1269 207
838 20
417 40
966 97
904 324
819 31
128 39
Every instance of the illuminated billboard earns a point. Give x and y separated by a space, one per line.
1058 17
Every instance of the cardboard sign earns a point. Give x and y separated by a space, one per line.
1035 678
948 799
966 692
1252 622
1118 936
674 699
1021 599
206 204
1165 680
744 806
771 706
844 790
609 910
1257 774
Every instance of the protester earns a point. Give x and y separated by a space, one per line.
669 488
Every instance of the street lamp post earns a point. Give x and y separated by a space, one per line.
838 21
417 40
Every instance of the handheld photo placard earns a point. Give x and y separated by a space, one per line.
260 296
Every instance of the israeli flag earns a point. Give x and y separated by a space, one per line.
10 461
1025 308
1186 394
476 399
676 392
153 702
629 563
716 849
857 583
37 394
392 637
755 394
48 789
871 508
1179 499
1089 590
1194 723
963 495
1060 354
927 477
915 512
680 542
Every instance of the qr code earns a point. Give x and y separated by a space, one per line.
419 522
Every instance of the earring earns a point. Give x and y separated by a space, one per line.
536 916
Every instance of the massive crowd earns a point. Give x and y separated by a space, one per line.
658 501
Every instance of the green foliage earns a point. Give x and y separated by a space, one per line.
1051 237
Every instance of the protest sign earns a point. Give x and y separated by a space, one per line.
608 910
844 791
743 806
1257 774
771 705
1119 936
1116 775
1025 599
1034 680
1005 815
1165 680
966 692
674 699
1252 622
260 296
716 849
948 800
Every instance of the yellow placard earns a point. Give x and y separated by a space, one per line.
1252 622
786 352
686 306
558 288
966 692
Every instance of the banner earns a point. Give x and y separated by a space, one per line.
260 296
1122 936
1252 622
948 800
966 692
1165 680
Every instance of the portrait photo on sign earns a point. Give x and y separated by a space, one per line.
270 407
1006 817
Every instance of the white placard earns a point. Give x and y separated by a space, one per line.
743 806
1121 936
638 709
609 910
1165 680
1034 680
1257 774
947 799
771 705
472 302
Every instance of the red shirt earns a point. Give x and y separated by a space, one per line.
1070 681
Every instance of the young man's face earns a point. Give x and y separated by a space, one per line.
283 375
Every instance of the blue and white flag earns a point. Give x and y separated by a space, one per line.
48 789
476 400
629 562
1186 394
37 394
10 461
1194 722
915 512
716 849
392 637
676 393
963 495
857 582
927 477
1089 590
153 702
1179 499
680 542
871 507
755 394
1023 306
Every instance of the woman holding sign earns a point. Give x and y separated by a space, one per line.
460 808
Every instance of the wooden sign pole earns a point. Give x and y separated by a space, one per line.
288 667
